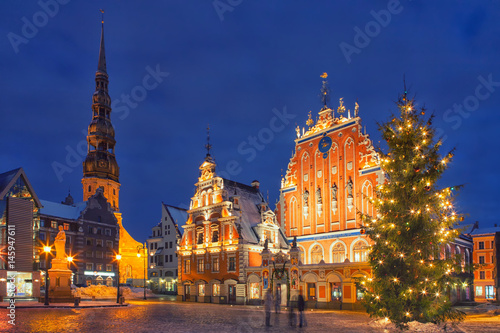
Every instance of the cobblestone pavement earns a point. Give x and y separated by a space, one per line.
161 316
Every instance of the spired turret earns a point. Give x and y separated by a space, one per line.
100 169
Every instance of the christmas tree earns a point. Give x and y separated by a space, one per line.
415 220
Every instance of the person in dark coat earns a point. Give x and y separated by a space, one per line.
268 304
301 305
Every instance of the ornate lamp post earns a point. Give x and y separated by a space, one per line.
47 250
139 248
118 258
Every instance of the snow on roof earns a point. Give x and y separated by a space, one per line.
483 231
60 210
250 199
6 177
178 215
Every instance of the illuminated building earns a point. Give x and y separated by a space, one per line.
19 223
486 254
91 237
162 245
228 227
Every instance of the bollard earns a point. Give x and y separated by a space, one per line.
77 302
122 300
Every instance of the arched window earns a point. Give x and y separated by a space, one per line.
200 238
302 255
338 253
316 254
447 252
215 236
360 251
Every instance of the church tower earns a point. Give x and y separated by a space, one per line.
100 169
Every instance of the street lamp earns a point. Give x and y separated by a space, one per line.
139 248
118 258
47 250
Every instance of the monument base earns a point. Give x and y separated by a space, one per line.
60 282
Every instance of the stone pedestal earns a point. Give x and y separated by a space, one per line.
60 282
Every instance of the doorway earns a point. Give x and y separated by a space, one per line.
232 294
187 292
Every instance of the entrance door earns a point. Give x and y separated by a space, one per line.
284 294
311 291
232 294
187 292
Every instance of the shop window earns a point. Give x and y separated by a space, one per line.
216 289
479 291
489 292
89 282
254 290
336 294
359 294
201 289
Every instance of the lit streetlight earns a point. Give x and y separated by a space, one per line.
47 250
118 258
139 248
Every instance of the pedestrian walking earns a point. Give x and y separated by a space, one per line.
301 304
292 318
268 304
277 301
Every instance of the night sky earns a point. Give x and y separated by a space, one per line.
236 65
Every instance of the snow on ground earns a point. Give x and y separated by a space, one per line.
101 291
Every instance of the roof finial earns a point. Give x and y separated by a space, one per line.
208 146
101 66
325 91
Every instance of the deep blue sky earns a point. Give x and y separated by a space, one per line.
232 73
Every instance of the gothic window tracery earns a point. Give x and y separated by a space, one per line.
338 253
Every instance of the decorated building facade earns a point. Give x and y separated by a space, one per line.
332 174
229 226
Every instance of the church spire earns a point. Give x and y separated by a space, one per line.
100 169
101 65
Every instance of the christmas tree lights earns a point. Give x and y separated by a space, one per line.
415 220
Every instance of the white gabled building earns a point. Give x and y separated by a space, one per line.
162 245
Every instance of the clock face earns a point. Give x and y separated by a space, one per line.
325 144
103 164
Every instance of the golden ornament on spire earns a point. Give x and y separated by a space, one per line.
324 75
309 121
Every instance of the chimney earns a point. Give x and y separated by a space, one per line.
255 184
